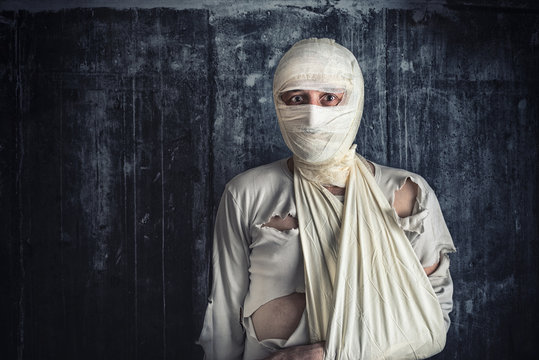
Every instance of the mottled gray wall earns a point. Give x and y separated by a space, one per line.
119 128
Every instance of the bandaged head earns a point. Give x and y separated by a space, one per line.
316 134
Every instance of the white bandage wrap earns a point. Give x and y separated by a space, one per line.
318 135
367 294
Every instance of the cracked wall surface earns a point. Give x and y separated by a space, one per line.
121 123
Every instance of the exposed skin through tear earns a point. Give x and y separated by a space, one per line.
288 223
403 202
405 198
430 269
278 318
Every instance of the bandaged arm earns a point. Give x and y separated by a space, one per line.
222 335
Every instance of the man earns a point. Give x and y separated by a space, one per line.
326 255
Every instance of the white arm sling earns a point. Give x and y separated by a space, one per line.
367 293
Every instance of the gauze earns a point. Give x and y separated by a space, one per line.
318 135
367 295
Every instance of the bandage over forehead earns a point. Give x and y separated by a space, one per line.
313 133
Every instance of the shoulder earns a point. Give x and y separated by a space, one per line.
425 227
262 191
260 178
391 179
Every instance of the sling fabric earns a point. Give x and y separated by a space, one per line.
367 294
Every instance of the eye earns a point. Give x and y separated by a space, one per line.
330 99
296 99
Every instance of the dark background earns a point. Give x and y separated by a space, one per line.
119 127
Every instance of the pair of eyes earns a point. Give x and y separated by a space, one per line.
313 97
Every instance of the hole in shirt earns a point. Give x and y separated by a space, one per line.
405 201
405 197
279 318
278 223
431 269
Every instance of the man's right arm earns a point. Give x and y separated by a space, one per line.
222 335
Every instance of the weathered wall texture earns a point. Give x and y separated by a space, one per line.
119 128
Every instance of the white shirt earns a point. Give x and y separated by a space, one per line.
253 265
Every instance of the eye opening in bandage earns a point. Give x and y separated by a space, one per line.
333 86
299 97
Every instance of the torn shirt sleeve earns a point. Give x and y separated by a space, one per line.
426 229
431 241
222 335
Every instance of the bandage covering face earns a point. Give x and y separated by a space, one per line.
320 136
367 295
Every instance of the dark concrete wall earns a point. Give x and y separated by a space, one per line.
120 127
